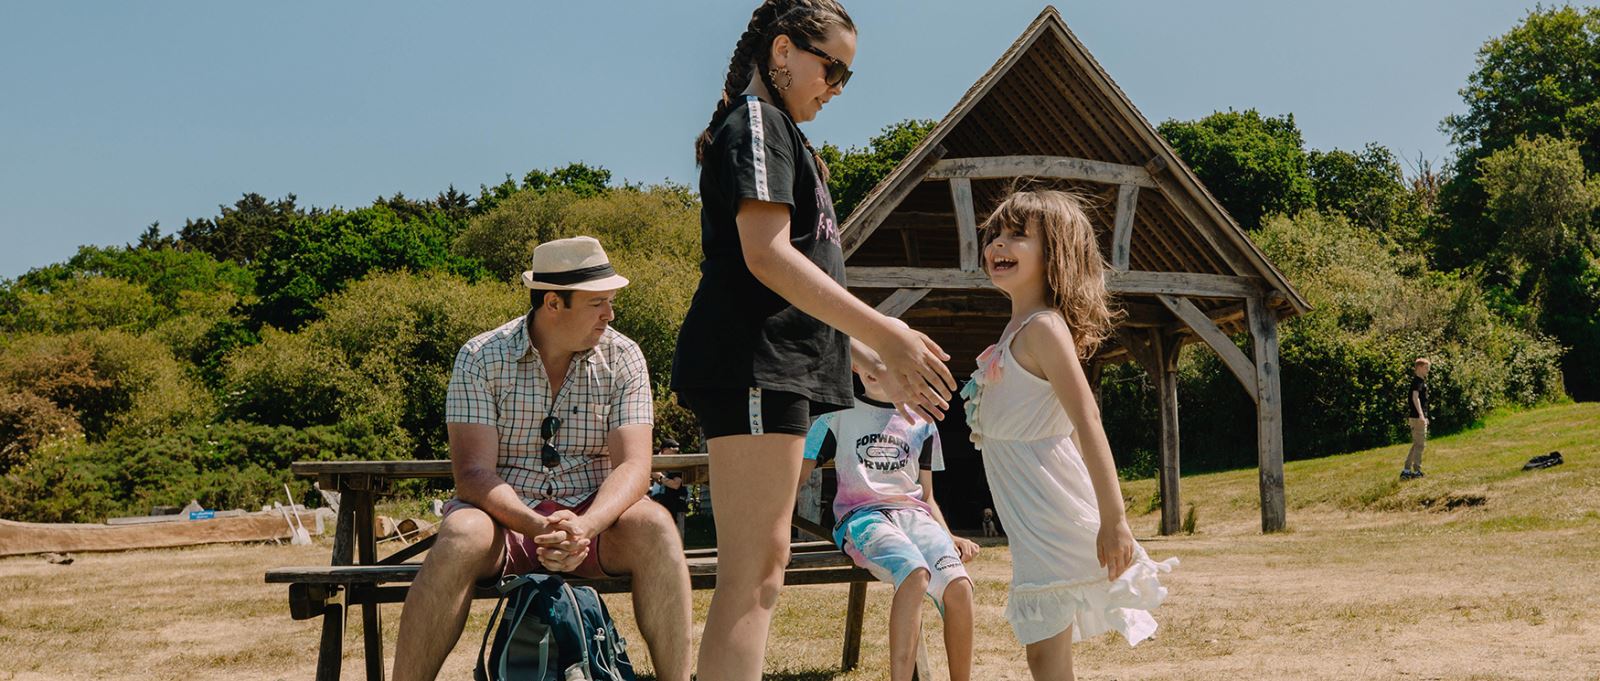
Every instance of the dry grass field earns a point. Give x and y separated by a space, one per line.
1479 571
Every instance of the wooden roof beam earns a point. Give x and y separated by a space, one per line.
1146 283
856 231
1242 367
1056 167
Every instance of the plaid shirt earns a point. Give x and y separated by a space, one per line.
498 380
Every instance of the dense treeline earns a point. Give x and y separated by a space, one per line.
199 363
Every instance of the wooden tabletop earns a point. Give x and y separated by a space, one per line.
440 468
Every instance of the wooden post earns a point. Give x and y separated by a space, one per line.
966 222
330 657
1122 234
1166 355
361 497
855 610
1269 412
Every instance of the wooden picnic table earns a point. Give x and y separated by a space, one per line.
360 573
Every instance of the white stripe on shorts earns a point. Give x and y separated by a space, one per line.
755 412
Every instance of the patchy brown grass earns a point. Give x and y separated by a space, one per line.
1373 581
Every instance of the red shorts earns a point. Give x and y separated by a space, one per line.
521 553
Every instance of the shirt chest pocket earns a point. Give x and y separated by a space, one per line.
586 424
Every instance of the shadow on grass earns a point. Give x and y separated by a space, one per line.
787 675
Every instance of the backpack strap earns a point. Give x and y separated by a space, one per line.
519 638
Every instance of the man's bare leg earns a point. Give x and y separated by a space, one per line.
644 543
469 548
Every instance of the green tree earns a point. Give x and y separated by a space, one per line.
1540 78
1368 186
166 274
1345 364
1540 197
1255 165
242 230
319 255
855 171
112 382
578 178
374 364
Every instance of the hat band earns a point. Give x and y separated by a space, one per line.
576 276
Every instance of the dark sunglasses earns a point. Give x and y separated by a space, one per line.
838 73
549 455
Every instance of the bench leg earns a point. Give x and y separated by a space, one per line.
372 633
331 655
854 612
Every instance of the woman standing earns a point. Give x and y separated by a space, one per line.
766 345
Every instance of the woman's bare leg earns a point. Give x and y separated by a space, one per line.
753 482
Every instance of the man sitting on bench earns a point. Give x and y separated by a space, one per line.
550 424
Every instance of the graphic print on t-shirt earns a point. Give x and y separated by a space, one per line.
879 454
883 452
827 229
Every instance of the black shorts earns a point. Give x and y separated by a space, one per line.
753 411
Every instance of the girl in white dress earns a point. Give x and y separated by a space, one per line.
1076 570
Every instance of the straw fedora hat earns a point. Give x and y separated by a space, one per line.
575 264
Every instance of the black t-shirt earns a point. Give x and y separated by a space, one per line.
739 334
1420 388
676 500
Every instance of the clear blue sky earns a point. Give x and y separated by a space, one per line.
114 115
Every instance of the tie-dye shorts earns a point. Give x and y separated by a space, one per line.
892 543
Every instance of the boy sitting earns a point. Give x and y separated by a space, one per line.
889 523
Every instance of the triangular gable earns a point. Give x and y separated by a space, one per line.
1010 112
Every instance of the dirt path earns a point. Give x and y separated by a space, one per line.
1343 596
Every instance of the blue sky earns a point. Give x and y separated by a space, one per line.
116 115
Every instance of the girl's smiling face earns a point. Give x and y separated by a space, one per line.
1014 258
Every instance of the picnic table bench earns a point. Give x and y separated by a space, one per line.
358 577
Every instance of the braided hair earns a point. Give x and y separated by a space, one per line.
799 19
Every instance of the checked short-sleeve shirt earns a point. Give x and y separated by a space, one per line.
498 380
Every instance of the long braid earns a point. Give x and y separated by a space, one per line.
808 19
744 58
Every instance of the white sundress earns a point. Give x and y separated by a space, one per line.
1047 505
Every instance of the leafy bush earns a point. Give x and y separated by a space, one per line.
1345 365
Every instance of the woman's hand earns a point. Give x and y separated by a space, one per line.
913 372
1114 548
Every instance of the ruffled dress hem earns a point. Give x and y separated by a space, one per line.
1040 611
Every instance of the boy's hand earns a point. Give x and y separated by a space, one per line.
1114 548
965 548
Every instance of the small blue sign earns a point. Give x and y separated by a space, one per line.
202 515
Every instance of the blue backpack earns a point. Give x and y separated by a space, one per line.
551 631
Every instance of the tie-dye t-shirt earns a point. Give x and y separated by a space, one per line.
878 456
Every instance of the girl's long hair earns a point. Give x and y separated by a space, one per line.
1073 266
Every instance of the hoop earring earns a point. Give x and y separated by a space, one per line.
788 78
